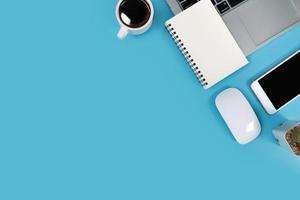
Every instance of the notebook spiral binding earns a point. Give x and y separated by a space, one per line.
187 56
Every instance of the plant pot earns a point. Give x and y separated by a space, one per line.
283 134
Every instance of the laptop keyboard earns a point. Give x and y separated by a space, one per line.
221 5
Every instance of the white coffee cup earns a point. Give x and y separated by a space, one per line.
126 29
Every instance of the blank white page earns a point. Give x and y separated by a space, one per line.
208 41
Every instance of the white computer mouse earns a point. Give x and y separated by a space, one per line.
238 115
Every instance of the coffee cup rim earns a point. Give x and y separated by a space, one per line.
138 28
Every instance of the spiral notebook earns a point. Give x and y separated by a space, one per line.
206 43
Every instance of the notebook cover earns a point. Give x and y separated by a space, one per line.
207 41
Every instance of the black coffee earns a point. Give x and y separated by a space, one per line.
134 13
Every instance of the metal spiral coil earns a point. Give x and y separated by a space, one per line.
186 54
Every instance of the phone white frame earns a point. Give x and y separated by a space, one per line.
262 96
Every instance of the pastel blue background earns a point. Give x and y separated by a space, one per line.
86 116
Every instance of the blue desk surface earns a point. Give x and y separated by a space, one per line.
86 116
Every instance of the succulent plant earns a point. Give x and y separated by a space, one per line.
296 135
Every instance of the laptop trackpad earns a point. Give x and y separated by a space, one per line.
266 18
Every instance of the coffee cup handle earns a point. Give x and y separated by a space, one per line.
122 33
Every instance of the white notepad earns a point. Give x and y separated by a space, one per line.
206 42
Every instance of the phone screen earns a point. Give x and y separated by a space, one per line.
283 83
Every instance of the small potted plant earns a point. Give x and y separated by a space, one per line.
288 136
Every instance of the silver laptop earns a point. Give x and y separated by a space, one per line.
251 22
